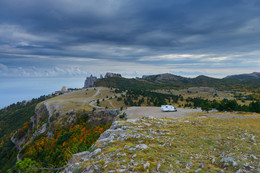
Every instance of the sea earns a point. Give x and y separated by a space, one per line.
14 90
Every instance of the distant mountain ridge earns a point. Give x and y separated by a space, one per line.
167 80
254 75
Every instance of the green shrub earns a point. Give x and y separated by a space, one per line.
123 115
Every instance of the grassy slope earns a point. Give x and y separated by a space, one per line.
184 145
79 100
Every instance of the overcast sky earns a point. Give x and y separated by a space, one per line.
57 38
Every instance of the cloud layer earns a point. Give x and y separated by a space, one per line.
134 37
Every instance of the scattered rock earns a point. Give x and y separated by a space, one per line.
79 156
147 124
96 167
142 146
188 165
229 161
197 170
213 160
158 167
240 171
121 170
253 156
234 164
202 165
96 151
89 167
203 116
146 165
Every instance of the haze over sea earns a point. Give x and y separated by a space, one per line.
18 89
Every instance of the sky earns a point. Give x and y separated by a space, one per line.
75 38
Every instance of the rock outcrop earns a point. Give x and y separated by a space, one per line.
89 82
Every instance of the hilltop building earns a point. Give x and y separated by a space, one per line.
62 91
63 88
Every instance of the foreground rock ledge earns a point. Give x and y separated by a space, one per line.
167 145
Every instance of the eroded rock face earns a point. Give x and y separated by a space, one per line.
41 117
89 82
19 142
42 114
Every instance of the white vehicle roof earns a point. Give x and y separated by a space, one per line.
166 105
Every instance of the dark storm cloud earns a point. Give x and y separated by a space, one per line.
189 33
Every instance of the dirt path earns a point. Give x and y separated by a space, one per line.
138 112
98 92
111 103
93 102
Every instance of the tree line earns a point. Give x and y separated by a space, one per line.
223 105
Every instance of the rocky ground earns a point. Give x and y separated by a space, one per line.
190 144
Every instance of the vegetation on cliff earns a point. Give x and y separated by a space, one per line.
12 118
55 152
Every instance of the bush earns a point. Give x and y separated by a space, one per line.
123 115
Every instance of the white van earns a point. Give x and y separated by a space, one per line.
168 108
